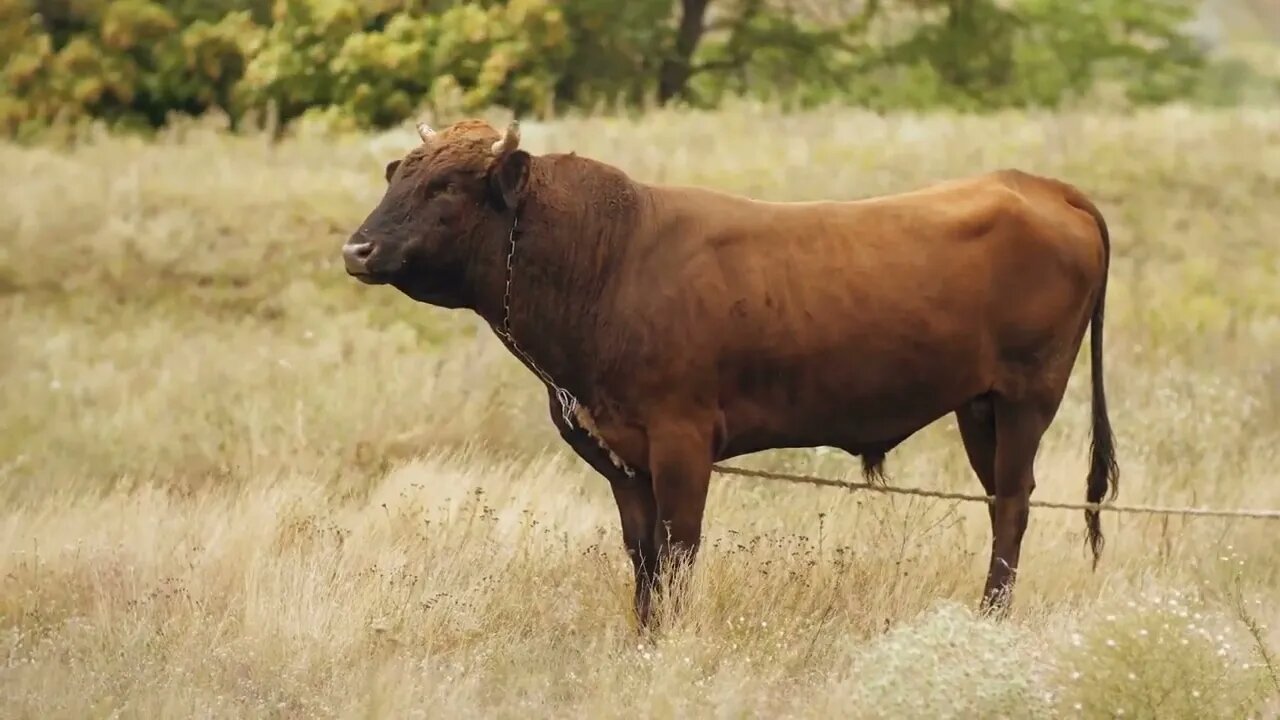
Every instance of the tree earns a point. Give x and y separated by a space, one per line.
677 67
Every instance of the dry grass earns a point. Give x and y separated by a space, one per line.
237 484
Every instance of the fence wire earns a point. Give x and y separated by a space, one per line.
987 499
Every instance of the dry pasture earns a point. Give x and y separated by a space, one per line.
234 483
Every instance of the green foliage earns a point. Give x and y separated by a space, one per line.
291 69
776 54
1067 45
373 63
616 49
138 65
214 57
967 54
374 66
977 54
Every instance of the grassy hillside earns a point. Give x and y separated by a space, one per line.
235 483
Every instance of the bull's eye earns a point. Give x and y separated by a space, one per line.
446 211
439 187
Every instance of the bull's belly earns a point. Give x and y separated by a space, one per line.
861 415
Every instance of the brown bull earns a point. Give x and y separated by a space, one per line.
676 326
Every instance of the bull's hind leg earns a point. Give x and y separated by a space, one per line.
977 421
1019 427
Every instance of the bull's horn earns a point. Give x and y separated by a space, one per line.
510 141
425 132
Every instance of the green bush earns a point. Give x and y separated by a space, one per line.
374 68
133 65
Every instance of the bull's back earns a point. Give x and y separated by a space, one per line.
913 266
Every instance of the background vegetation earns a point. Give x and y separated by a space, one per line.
373 63
234 483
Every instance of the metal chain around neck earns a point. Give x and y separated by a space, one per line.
569 407
568 403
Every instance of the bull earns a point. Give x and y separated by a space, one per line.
675 327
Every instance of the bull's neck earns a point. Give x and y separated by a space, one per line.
550 299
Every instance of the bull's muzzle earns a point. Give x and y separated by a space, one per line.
356 253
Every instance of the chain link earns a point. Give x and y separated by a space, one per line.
568 403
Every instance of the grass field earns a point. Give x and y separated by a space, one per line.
236 483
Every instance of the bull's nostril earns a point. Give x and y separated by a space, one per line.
356 255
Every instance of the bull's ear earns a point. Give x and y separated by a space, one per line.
508 177
391 169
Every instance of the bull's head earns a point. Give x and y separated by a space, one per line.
444 200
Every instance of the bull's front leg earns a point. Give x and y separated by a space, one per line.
638 513
680 467
637 509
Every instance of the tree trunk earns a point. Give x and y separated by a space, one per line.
673 76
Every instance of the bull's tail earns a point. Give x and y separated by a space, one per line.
1104 472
